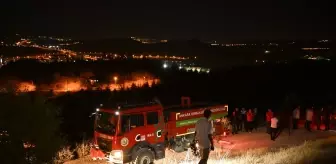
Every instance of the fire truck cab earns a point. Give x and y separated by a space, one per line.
140 133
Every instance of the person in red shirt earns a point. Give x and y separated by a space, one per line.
249 119
269 116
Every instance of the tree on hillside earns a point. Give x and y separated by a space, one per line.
28 121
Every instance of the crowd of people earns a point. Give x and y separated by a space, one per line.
247 120
242 120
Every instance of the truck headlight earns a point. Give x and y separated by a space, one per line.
117 154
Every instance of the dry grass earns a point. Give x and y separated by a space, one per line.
64 155
67 154
82 149
319 151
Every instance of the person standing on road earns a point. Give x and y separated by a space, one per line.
269 116
318 118
235 121
203 135
274 127
249 119
326 118
255 119
296 117
240 120
309 118
243 114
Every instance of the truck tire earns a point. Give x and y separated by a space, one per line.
178 147
144 156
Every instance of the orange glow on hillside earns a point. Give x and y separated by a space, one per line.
25 87
68 85
75 84
138 83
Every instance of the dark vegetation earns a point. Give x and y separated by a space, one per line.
29 117
28 120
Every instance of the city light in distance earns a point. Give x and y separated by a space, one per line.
165 65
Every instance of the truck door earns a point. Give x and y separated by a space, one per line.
133 128
155 126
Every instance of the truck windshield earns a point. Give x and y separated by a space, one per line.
106 122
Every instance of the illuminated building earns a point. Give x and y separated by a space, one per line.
316 48
196 69
311 57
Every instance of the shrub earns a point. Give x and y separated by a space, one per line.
82 149
64 155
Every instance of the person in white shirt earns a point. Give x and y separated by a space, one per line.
203 134
309 118
274 127
296 117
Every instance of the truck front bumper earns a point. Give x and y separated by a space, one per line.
97 154
115 156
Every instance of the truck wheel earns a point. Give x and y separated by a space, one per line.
144 156
178 147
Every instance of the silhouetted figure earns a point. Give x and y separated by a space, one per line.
235 121
243 114
255 119
318 118
296 117
326 118
309 118
240 120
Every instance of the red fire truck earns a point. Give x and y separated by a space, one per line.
141 133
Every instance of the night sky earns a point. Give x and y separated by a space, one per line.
224 20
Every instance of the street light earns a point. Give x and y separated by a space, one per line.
115 78
165 65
